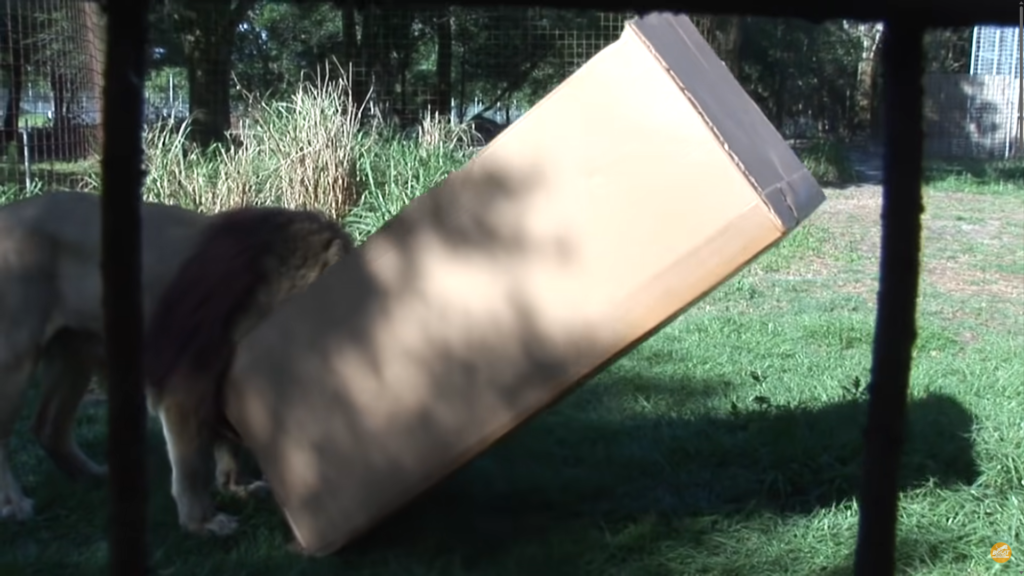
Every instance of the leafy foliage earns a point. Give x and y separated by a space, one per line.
828 161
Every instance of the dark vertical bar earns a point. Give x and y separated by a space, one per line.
895 321
122 281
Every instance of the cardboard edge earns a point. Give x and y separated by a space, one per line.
791 200
722 142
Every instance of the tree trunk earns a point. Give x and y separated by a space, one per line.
867 74
61 138
462 84
16 69
93 39
355 70
876 119
732 36
443 28
208 36
779 88
208 58
779 102
59 86
369 46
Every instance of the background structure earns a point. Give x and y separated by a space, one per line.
975 114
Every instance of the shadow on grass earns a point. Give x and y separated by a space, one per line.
569 467
547 499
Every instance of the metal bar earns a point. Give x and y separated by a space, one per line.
933 13
995 56
1019 148
121 263
974 49
895 321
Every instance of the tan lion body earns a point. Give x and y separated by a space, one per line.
51 326
51 315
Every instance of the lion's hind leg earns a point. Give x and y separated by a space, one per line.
13 502
14 377
26 308
67 364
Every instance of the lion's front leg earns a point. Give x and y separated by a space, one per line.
191 453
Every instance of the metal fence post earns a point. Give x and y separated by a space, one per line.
895 321
122 278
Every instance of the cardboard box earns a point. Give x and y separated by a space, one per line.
632 190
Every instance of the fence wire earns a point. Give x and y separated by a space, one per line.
51 65
217 61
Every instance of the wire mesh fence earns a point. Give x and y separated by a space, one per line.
52 77
215 63
970 115
485 66
995 51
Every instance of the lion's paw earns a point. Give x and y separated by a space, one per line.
99 472
221 525
258 489
17 509
294 547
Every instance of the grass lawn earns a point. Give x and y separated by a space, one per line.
727 444
1000 177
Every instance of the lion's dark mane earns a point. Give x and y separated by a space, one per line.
189 338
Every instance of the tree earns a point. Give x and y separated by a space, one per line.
14 67
207 30
801 74
870 36
443 32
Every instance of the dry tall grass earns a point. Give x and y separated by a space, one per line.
317 148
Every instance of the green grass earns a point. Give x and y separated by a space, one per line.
48 175
974 176
728 443
33 119
316 148
393 170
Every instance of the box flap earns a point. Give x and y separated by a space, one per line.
757 147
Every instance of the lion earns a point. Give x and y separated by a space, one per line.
51 321
246 262
51 316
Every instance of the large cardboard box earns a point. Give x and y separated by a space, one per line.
636 187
